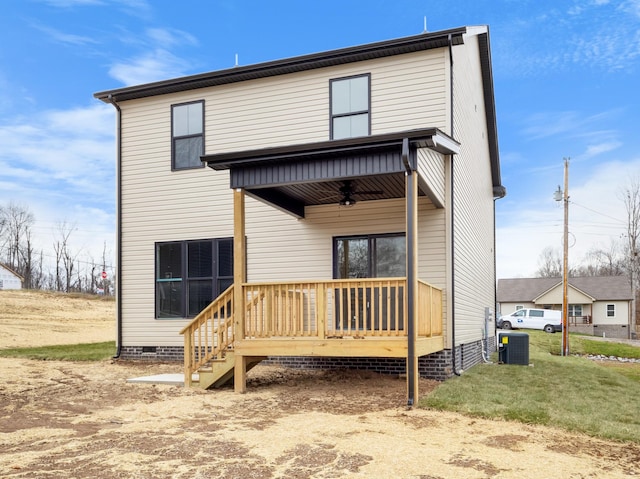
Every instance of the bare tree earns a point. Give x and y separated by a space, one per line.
16 246
550 263
631 198
65 258
604 262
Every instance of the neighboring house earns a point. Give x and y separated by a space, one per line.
346 217
597 305
9 279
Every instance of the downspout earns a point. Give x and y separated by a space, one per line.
453 264
111 100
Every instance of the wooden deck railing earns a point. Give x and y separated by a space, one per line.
359 308
209 335
429 310
338 308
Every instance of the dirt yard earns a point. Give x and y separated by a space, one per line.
83 420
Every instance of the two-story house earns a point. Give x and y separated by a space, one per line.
333 209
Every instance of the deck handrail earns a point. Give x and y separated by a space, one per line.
323 309
209 334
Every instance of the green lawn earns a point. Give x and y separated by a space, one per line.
71 352
574 393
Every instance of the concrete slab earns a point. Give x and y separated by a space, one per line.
171 379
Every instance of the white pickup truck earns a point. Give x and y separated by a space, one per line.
545 319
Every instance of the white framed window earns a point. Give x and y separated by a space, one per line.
575 310
519 307
611 310
187 135
350 101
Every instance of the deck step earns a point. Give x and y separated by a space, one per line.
220 371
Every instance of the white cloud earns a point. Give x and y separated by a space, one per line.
157 62
170 36
569 123
62 165
598 149
63 37
596 217
157 65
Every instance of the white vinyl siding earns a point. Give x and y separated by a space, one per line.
407 92
555 296
600 309
473 198
431 167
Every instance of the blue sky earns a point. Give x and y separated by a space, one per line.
566 76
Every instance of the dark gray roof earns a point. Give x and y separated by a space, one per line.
423 41
602 288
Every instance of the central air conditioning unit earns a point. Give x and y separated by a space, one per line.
513 348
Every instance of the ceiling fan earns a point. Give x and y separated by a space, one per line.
347 192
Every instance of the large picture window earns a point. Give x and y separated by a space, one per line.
187 135
190 274
371 256
350 107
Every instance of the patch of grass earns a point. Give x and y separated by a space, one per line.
573 393
69 352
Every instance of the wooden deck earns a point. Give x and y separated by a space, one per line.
345 318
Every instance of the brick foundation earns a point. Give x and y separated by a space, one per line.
620 331
433 366
153 353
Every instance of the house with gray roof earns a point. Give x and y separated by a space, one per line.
598 305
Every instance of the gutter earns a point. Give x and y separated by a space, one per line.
453 264
111 100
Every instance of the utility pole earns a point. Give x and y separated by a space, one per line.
564 196
565 264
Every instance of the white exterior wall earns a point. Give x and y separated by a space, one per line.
474 274
600 312
555 295
431 166
407 92
9 280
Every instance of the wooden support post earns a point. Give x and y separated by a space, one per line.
239 278
321 310
240 374
188 352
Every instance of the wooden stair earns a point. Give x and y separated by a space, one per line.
218 372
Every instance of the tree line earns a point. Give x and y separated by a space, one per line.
620 258
64 268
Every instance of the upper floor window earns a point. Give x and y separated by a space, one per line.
187 135
350 107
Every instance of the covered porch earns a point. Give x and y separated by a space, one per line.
391 317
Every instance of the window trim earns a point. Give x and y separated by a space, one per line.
607 310
184 274
371 253
184 137
352 113
572 310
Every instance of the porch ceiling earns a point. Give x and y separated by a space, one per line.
295 176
